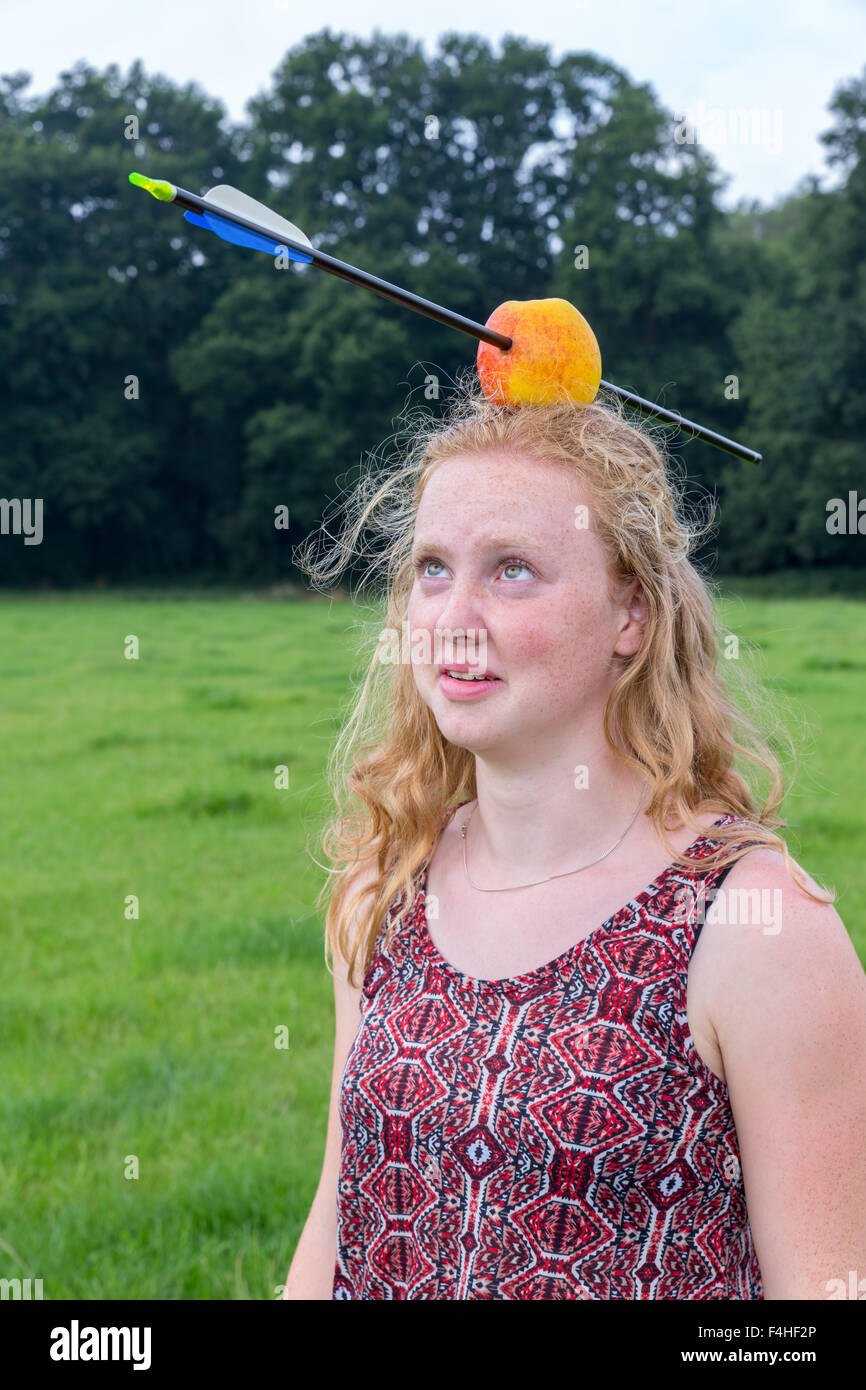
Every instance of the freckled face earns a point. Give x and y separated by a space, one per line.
496 549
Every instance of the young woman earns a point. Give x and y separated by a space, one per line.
569 1063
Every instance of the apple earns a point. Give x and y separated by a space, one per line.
554 355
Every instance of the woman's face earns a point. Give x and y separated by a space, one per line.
503 548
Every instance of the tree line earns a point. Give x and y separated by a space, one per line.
169 397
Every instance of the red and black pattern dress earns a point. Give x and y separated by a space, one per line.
555 1135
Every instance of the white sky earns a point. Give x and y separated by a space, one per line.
780 58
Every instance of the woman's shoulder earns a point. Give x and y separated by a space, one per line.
764 920
765 866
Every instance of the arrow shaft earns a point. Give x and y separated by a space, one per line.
450 319
673 417
344 271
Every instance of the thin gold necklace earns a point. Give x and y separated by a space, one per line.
549 876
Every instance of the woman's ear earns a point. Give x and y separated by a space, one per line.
632 618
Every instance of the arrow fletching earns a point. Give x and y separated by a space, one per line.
239 236
229 199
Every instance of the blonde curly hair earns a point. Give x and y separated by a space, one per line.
394 777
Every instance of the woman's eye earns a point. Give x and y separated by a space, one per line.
423 564
422 567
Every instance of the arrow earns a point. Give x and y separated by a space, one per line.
239 219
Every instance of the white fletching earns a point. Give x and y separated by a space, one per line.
234 201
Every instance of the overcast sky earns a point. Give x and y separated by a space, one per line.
706 59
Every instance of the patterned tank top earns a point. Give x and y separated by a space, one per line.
551 1136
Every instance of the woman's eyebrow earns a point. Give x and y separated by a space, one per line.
492 543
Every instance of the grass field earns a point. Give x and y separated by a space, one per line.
154 1037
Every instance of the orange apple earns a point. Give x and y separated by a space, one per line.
554 355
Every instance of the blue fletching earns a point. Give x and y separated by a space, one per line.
239 236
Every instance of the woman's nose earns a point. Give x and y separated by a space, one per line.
460 617
461 603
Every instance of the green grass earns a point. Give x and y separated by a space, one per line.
154 1037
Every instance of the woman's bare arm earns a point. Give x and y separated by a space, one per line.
311 1275
789 1009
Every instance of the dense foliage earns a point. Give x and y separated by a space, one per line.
471 176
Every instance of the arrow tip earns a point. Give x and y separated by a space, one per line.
160 188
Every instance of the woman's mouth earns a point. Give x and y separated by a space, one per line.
466 685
